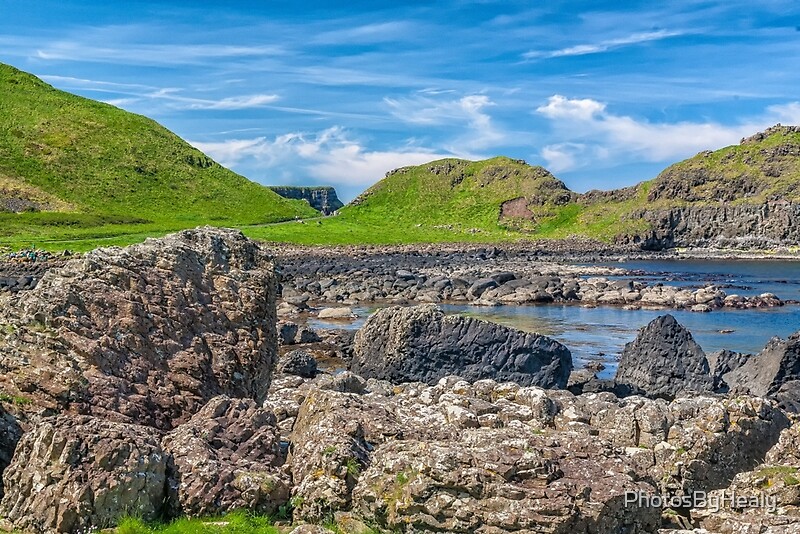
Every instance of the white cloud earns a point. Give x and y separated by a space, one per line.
479 131
602 46
561 107
236 102
328 156
589 134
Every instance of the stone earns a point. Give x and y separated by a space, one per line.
663 360
74 473
336 313
226 457
480 286
421 343
766 372
298 362
146 334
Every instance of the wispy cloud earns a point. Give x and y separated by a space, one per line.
602 46
592 135
479 131
236 102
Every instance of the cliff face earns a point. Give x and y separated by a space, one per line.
768 225
320 198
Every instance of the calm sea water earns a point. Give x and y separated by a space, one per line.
599 334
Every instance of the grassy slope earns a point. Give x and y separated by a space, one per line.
417 204
446 200
105 173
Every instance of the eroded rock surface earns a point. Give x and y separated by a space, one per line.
226 457
71 473
146 334
421 343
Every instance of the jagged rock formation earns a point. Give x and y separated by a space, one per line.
498 457
146 334
321 198
423 344
226 457
775 367
72 473
663 360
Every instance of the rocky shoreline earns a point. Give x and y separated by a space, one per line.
157 381
485 277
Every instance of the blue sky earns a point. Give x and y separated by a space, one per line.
604 94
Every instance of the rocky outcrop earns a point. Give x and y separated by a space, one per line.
146 334
498 457
664 360
321 198
72 473
226 457
765 373
769 225
423 344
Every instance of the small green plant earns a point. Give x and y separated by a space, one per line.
15 399
353 469
402 478
329 450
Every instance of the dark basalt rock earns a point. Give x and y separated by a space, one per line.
663 360
421 343
765 373
299 363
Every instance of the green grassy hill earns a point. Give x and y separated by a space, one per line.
504 199
73 168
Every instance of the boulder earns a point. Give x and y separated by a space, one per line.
226 457
146 334
423 344
77 473
299 363
336 313
328 452
766 372
663 360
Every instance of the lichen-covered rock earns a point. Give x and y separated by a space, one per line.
328 452
713 439
423 344
72 473
503 480
146 334
664 360
226 457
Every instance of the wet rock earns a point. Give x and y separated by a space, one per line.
74 473
337 313
422 344
298 362
225 458
663 360
146 334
